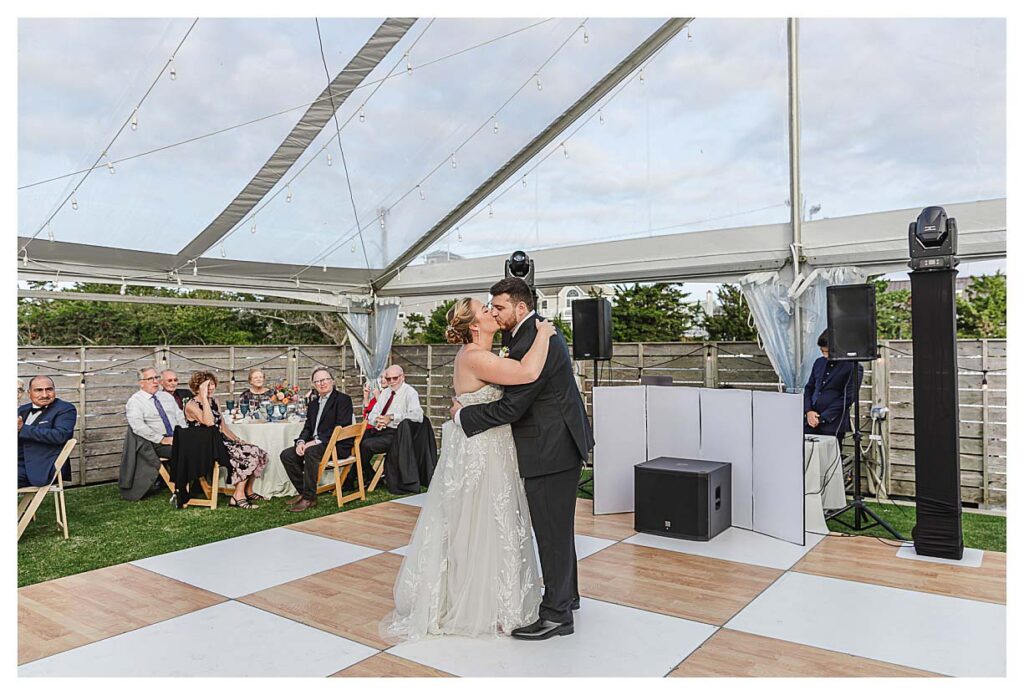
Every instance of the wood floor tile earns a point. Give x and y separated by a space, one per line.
615 527
734 654
869 560
384 526
663 581
389 666
73 611
349 601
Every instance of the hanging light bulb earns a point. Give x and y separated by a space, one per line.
195 267
408 65
565 151
24 261
641 75
325 266
459 235
297 283
252 230
490 209
453 161
178 276
362 116
110 164
600 117
495 124
328 159
586 36
124 287
74 201
423 196
49 231
223 253
174 73
524 180
382 220
539 85
689 36
135 119
353 249
288 195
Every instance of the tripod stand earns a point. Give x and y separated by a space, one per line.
861 511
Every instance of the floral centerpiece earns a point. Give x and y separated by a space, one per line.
284 393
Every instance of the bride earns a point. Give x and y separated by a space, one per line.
471 567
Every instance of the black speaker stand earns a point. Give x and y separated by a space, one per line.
861 511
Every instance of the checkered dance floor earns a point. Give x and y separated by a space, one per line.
742 605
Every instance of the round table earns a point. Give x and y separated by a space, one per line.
823 479
273 437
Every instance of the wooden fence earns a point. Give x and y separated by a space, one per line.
98 380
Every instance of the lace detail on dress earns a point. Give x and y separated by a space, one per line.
471 567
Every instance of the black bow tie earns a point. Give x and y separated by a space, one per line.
36 410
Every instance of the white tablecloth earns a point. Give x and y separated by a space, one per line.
823 480
273 437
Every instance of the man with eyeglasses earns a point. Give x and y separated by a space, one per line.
153 414
44 426
396 404
328 409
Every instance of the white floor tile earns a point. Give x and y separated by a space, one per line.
403 551
972 557
610 640
229 639
414 500
952 636
735 544
239 566
585 546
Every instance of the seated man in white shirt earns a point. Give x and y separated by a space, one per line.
395 404
153 414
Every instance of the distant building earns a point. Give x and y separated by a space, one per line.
441 256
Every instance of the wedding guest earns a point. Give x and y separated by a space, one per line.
330 408
257 390
44 426
152 413
247 460
395 404
169 383
370 396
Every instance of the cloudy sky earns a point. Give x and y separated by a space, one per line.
895 113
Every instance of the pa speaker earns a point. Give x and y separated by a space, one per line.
592 329
682 498
852 332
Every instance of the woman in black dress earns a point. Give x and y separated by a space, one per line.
258 391
247 460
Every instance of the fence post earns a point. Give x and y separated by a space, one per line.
639 362
293 365
882 375
430 380
984 423
710 365
231 366
80 424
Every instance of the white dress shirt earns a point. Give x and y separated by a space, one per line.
406 406
32 417
144 419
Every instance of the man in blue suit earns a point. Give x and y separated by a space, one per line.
829 393
44 426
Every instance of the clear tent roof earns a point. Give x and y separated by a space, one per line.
695 140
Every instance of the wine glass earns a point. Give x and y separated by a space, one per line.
281 410
270 411
244 407
230 405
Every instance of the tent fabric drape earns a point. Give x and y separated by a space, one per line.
772 303
385 315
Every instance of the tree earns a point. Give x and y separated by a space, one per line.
732 319
657 312
437 324
415 329
563 326
892 311
981 309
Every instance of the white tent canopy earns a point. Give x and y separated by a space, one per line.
327 159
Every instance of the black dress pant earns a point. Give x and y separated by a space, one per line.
303 470
552 500
375 442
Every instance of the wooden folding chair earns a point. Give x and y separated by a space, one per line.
33 496
377 464
342 467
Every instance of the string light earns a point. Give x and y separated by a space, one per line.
495 125
24 261
689 36
408 65
586 36
297 283
288 196
453 161
459 235
110 164
490 209
423 196
325 266
565 151
353 249
135 119
362 116
641 75
178 278
252 230
195 267
524 180
174 73
539 85
124 286
328 159
382 220
223 253
74 201
600 117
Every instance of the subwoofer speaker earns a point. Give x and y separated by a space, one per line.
592 329
852 331
682 498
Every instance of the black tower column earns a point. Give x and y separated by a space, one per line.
938 532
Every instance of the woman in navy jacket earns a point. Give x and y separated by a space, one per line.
44 426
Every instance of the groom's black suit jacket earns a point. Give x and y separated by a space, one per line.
548 418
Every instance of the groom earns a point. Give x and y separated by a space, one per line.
553 438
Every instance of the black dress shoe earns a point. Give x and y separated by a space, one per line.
575 604
542 629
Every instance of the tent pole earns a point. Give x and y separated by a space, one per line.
795 196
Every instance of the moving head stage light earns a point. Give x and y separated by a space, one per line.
933 241
521 266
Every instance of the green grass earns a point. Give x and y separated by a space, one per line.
984 531
106 530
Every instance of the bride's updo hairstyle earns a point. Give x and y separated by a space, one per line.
460 317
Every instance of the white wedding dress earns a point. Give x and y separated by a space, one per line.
471 567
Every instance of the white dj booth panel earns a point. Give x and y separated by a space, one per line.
673 422
778 483
620 426
726 435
